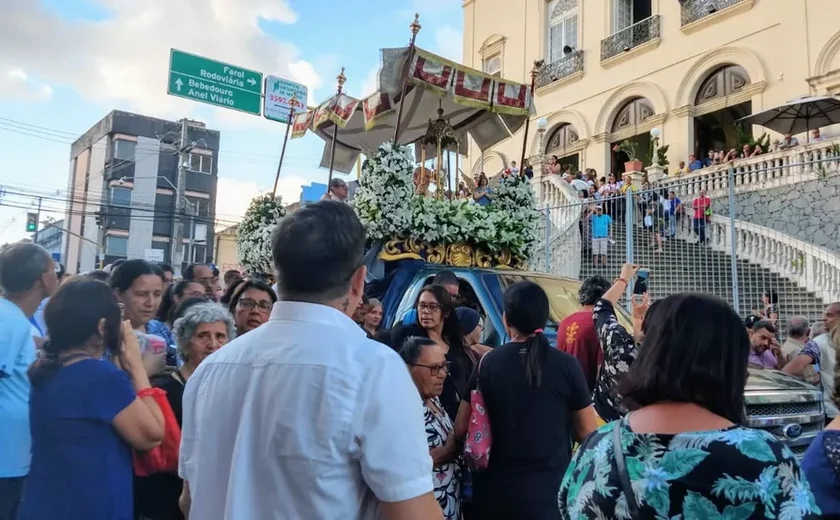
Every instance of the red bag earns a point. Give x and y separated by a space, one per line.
479 439
164 457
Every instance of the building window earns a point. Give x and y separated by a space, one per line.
562 29
201 163
116 246
120 196
124 150
493 65
198 207
630 12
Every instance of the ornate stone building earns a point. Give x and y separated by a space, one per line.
616 69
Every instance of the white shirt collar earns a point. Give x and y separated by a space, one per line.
314 313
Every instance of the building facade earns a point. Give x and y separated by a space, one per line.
614 70
51 237
123 174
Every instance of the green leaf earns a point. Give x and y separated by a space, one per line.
735 489
757 449
741 512
698 507
682 462
659 500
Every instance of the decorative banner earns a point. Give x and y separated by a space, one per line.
322 113
512 98
342 109
376 106
432 72
472 90
301 123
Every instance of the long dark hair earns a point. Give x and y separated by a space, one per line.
695 350
123 275
462 365
526 310
73 316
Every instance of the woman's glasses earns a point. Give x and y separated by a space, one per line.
435 369
431 307
248 304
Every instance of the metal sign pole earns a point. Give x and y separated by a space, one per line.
341 79
534 72
292 102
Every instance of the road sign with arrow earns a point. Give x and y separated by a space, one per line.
214 82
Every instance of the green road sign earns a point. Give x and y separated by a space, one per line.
213 82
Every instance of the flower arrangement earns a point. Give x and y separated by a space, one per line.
386 203
253 237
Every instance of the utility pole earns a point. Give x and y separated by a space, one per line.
38 220
177 252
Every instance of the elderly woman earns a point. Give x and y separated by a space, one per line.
203 329
427 363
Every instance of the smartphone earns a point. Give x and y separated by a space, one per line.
640 286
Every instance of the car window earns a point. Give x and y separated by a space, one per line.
562 296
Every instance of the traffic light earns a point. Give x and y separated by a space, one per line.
31 222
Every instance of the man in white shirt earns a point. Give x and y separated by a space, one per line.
304 417
828 359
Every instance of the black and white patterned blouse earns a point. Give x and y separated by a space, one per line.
620 351
447 478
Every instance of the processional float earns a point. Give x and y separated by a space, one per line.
412 85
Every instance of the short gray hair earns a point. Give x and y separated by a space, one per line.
185 326
21 265
798 326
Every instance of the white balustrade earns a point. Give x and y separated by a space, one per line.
563 206
813 268
771 170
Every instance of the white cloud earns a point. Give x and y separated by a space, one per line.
123 60
450 43
235 195
18 85
369 85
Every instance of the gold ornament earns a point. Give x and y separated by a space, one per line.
460 255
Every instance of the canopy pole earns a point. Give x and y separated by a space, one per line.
341 78
292 102
415 28
449 173
534 72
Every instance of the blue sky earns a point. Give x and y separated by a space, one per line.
67 63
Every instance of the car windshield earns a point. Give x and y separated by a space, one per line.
562 297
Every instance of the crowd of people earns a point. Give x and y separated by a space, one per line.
293 400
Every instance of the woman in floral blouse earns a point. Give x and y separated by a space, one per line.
683 452
618 344
428 366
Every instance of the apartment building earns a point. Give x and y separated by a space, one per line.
122 180
616 70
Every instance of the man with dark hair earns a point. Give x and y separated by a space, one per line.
203 274
576 334
310 385
27 276
449 282
765 351
231 275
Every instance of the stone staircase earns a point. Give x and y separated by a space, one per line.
684 265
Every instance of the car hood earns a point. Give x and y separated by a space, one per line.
764 380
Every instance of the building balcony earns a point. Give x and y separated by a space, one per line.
563 68
631 37
694 10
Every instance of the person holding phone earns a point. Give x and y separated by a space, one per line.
619 345
87 413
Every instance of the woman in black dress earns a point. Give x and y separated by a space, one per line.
537 400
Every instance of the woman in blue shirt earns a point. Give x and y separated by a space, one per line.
821 465
85 413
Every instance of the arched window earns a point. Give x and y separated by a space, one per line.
493 65
725 81
561 137
633 113
562 28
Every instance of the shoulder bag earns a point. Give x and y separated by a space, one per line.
479 439
623 476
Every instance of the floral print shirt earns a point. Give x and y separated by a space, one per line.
734 473
447 477
619 353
